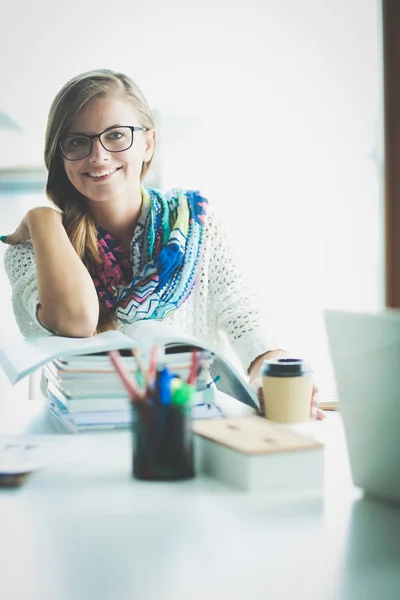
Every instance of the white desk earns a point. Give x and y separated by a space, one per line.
83 529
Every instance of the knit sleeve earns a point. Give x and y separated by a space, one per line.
238 310
20 265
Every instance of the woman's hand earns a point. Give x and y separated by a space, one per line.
316 413
22 232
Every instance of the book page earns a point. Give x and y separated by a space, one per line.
152 332
26 355
229 380
231 383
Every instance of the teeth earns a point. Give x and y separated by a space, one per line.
101 173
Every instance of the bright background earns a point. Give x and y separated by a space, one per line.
272 108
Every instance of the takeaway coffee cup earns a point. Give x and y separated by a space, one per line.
287 387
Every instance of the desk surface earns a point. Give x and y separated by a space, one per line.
84 529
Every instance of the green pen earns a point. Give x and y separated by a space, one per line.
182 394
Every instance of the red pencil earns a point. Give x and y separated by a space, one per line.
135 394
153 364
193 368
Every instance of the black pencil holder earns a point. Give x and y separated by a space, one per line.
162 442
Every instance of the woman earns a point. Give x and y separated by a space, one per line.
114 252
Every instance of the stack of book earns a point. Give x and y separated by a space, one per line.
84 390
86 393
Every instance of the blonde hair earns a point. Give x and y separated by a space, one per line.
77 220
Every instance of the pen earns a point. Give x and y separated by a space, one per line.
153 363
210 383
182 396
135 394
193 368
145 374
164 383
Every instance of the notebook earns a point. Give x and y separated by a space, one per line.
365 350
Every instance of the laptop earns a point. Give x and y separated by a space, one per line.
365 351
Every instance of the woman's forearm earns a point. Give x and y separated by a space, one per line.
68 299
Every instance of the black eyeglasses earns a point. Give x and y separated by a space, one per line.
113 139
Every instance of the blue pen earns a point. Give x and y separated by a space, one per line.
162 401
164 383
208 385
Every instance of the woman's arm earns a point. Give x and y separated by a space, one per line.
240 314
68 303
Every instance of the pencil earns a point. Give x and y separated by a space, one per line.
135 394
193 368
145 374
153 364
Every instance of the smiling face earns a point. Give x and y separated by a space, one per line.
105 175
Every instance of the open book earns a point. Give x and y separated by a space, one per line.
25 356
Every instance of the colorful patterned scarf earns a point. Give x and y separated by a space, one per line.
165 256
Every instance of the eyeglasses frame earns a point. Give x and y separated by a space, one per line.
97 136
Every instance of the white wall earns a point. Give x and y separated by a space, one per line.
272 108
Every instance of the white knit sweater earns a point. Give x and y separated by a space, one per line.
220 309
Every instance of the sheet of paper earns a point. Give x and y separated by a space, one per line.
27 453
